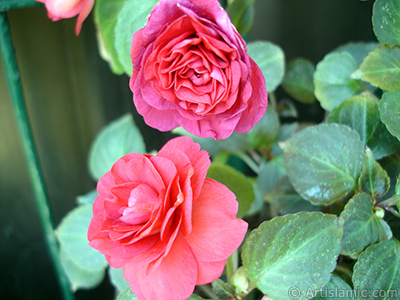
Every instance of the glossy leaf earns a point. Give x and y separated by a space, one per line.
389 108
114 141
239 184
381 68
332 80
377 271
298 81
361 226
223 290
271 60
373 178
79 277
292 251
323 162
361 113
285 200
132 17
117 279
336 289
72 234
386 20
106 13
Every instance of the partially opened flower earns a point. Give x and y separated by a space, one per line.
65 9
167 225
191 69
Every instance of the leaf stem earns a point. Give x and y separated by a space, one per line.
32 160
249 161
232 265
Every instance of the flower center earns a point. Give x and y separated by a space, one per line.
140 205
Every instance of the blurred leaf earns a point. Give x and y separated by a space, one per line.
361 226
285 131
285 200
386 20
118 138
241 13
105 16
323 162
358 50
389 107
72 234
336 289
391 164
132 17
373 179
117 279
378 270
270 173
381 68
264 132
79 277
287 109
298 81
361 113
332 80
292 251
271 60
126 294
239 184
88 198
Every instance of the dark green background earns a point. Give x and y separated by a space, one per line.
71 94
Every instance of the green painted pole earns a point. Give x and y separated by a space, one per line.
14 83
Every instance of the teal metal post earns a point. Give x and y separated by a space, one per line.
14 83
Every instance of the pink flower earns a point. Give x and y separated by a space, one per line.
191 69
164 223
65 9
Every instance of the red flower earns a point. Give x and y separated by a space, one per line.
168 226
191 69
65 9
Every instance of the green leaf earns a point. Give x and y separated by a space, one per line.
239 184
285 131
118 138
292 251
72 234
106 13
126 294
336 289
389 108
358 50
298 81
132 17
386 20
323 162
88 198
284 199
241 13
361 226
264 132
270 173
373 179
223 290
381 68
361 113
79 277
271 60
377 271
332 80
117 279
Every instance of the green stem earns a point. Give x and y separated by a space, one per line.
17 97
232 265
249 161
395 200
